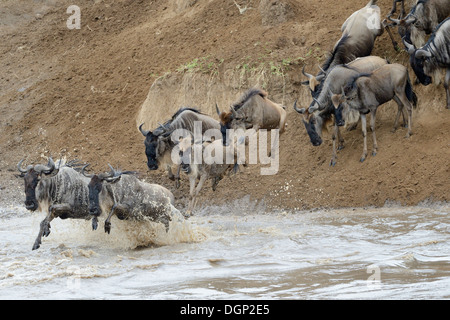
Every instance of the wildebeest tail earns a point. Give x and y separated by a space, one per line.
410 94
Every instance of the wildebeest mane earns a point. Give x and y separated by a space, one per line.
437 46
351 83
247 95
323 96
338 51
167 124
182 120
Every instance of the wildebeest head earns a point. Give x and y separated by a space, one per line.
418 59
404 25
313 124
95 187
185 147
313 82
32 175
226 118
156 143
338 100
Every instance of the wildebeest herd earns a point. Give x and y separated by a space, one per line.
350 84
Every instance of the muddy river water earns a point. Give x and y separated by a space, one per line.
238 252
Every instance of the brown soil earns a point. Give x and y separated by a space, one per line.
78 93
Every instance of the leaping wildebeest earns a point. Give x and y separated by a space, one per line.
432 57
253 111
63 192
124 195
159 145
321 111
222 160
365 92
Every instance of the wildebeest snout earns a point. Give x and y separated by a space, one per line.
186 167
31 204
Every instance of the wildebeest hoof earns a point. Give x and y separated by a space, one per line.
332 163
94 223
36 245
107 227
177 184
374 153
362 159
46 231
340 148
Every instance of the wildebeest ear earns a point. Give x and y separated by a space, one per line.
113 179
218 110
305 83
336 99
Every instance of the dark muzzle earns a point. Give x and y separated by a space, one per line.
31 205
186 168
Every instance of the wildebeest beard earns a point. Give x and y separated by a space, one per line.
95 187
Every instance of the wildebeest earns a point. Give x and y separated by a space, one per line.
158 143
423 18
365 92
359 32
315 83
315 120
253 111
63 192
432 57
223 160
124 195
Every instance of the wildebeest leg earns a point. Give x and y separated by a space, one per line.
404 100
192 180
54 211
43 231
216 181
334 136
170 173
116 208
177 177
196 192
386 26
364 132
372 127
446 86
397 118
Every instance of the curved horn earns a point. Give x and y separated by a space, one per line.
309 76
323 71
46 169
410 20
301 111
420 54
409 47
19 167
113 175
144 132
53 171
396 21
233 112
87 175
217 110
318 103
112 172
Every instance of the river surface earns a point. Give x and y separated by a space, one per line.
239 252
